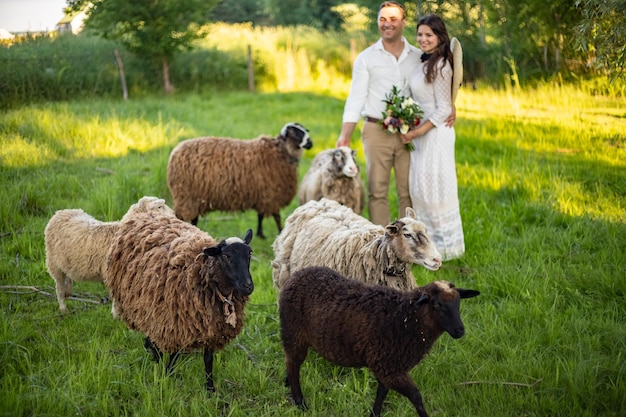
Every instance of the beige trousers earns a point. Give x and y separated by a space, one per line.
382 153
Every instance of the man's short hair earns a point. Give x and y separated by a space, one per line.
393 4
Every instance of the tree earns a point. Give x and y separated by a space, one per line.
602 33
239 11
152 29
315 13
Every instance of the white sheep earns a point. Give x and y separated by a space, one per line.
76 245
334 174
212 173
326 233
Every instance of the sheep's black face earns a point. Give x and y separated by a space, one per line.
450 317
234 256
445 302
235 262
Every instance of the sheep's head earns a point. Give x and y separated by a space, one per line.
411 242
297 138
146 204
344 160
445 299
233 255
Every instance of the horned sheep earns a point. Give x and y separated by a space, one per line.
178 286
212 173
76 245
334 174
326 233
358 325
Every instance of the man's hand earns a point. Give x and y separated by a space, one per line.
346 133
343 141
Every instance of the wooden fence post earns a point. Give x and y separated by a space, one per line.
250 70
120 68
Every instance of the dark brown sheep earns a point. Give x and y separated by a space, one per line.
178 286
355 324
213 173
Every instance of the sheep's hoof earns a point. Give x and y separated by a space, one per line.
300 403
151 348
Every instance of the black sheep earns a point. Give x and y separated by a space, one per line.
354 324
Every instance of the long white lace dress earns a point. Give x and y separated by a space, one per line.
432 176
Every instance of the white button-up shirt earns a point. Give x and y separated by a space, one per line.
374 74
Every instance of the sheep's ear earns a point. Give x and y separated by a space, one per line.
212 251
411 213
424 298
392 229
248 237
467 293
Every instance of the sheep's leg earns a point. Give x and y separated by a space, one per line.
294 360
60 280
114 311
68 286
208 370
381 394
152 349
169 368
259 227
279 226
404 385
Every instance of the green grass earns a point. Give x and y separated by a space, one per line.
542 177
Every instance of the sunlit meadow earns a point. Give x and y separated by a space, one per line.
542 185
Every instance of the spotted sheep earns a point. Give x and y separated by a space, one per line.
334 174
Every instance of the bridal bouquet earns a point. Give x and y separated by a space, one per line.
401 114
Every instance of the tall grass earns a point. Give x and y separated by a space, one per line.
542 184
284 60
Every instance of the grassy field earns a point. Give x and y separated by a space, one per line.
542 178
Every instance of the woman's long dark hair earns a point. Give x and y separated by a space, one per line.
435 23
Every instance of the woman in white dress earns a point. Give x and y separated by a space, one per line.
432 176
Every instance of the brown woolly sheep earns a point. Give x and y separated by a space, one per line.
358 325
212 173
334 174
178 286
76 245
326 233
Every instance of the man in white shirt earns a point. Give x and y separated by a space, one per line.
376 70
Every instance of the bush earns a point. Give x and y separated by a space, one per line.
57 68
68 67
